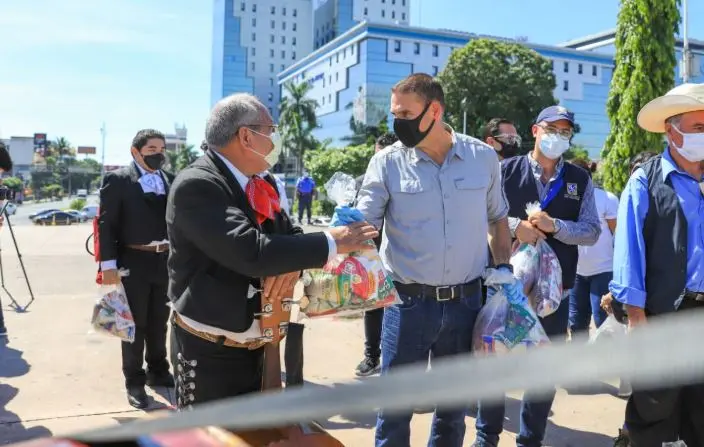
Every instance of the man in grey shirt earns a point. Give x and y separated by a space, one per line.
438 194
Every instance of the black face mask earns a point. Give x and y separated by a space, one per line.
154 161
508 150
408 130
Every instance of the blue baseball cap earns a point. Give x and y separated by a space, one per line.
555 113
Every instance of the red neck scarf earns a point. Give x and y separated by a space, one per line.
263 199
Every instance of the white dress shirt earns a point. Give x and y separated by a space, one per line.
151 182
254 330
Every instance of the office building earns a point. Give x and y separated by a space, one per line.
254 40
177 140
352 76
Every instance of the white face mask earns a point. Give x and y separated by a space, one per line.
272 157
692 145
553 145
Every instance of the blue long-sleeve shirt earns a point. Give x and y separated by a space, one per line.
628 285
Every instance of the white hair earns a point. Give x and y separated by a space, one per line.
229 115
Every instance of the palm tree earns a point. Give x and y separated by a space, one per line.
180 158
297 119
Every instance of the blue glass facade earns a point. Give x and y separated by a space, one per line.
229 69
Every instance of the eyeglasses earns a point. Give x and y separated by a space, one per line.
508 138
564 133
272 127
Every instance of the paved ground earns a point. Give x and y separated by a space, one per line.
58 377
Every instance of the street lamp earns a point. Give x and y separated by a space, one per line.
464 109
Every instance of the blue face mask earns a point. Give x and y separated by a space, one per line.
553 145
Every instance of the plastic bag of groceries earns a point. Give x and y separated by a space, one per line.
112 314
610 328
347 283
538 268
503 326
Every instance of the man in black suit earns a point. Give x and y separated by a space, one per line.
133 237
370 364
229 241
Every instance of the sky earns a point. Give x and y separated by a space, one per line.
66 66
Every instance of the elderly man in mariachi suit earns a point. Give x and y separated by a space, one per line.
660 251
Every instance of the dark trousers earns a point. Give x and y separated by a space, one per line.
145 288
305 202
667 414
373 320
535 408
293 355
2 317
585 301
207 371
411 332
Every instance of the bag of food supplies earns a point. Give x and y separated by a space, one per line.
347 283
538 268
502 326
112 314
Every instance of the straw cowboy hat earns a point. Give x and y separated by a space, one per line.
681 99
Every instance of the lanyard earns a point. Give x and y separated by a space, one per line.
554 188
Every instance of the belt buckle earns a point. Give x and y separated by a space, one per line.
437 293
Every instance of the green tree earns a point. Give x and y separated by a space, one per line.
14 183
577 152
645 64
179 159
297 120
489 79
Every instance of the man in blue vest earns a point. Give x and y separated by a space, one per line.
568 219
660 248
305 188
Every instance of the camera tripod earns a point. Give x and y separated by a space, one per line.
15 304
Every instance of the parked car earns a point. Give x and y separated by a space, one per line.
80 217
90 211
55 218
41 213
82 193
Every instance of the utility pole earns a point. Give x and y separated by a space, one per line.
102 166
686 56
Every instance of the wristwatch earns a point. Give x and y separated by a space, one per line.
557 223
506 266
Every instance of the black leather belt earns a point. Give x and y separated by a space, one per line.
440 293
694 296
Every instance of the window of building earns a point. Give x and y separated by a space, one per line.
273 10
383 1
403 16
337 77
254 37
283 11
397 46
393 14
295 12
254 7
436 51
243 7
323 100
566 85
273 24
271 52
283 40
271 97
383 13
293 55
271 38
271 112
366 11
579 69
352 49
293 41
593 70
282 67
337 58
295 27
271 82
403 2
435 70
566 67
416 48
254 21
283 54
330 98
253 66
271 68
254 51
552 64
283 26
393 2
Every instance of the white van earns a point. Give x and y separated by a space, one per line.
82 193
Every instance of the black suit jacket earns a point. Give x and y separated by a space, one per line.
218 249
128 216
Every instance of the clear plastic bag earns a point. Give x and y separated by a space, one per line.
501 326
112 314
610 328
347 284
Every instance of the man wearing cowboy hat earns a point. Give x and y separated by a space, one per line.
660 248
